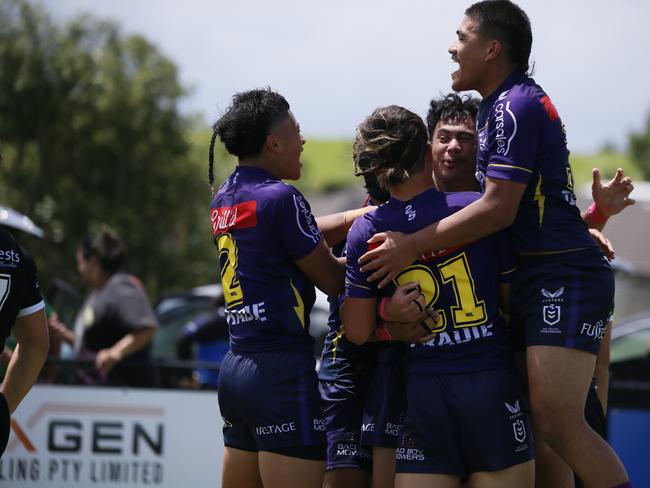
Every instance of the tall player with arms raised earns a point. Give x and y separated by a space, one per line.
270 251
461 382
563 292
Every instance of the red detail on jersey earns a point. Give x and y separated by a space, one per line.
374 245
240 216
441 253
550 108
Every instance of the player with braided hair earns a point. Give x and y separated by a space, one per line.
270 252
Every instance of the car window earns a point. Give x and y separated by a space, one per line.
631 346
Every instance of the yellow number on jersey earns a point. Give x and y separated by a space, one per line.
428 286
469 311
228 258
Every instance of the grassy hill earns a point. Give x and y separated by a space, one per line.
327 165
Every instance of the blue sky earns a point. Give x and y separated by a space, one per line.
337 60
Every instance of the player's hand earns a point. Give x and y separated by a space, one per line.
413 332
403 305
106 360
605 246
614 196
55 326
393 255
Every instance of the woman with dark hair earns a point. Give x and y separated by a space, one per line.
466 415
271 252
116 322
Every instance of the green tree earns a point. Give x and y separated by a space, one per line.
640 149
91 132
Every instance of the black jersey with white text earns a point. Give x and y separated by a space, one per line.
19 291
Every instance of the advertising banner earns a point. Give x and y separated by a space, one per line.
97 437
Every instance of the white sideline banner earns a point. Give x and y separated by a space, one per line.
64 436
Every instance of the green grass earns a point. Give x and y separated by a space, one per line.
328 166
607 162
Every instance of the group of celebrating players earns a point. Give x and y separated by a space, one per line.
469 252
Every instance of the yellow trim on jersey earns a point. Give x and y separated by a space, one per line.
340 333
509 271
299 308
540 199
510 166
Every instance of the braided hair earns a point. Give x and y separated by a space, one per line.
246 123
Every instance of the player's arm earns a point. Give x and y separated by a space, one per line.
323 269
359 317
609 199
30 332
495 210
335 226
132 342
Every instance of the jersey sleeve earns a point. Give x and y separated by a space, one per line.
505 256
132 305
356 282
31 300
293 223
515 132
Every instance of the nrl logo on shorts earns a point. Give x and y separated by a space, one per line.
519 429
551 313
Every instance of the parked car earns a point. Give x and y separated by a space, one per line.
174 311
630 363
628 415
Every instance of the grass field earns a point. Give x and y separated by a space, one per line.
327 166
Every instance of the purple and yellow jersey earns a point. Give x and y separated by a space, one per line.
341 359
261 226
522 139
461 284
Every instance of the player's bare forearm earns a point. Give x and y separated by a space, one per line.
323 269
27 360
335 226
359 318
494 211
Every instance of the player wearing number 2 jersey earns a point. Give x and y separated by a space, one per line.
270 252
466 414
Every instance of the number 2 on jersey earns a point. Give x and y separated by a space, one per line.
232 291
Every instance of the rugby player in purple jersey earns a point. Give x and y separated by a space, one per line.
271 252
460 383
563 291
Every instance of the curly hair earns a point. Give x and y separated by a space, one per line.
246 123
451 108
392 144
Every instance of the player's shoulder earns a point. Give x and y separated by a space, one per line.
522 97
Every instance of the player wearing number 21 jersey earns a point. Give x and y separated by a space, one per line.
465 412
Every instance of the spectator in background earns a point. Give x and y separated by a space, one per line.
116 322
210 332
